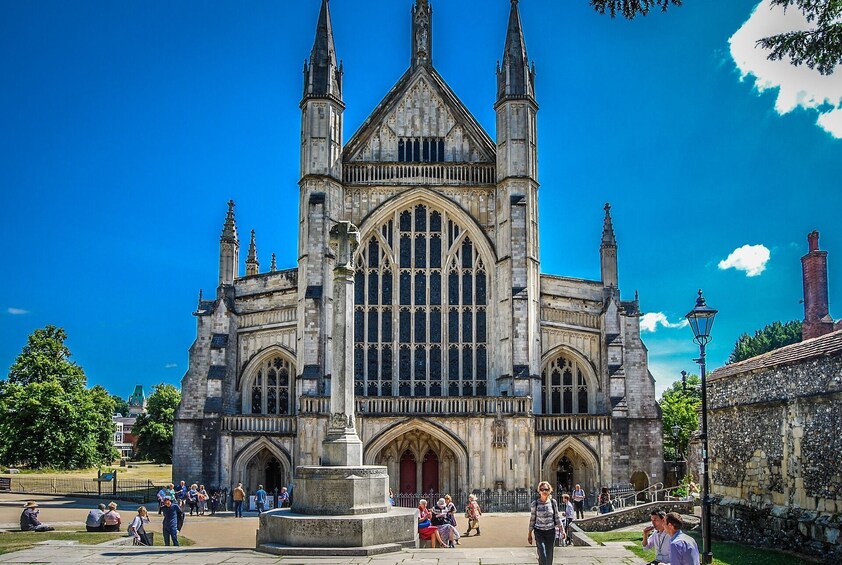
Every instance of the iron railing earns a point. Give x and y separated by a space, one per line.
121 489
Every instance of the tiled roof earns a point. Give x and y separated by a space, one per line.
828 344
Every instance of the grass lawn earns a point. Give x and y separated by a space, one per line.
16 541
142 471
724 553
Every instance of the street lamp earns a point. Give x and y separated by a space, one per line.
701 321
675 429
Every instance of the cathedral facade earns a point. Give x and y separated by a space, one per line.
471 368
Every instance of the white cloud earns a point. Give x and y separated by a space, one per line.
170 365
649 322
798 86
17 311
749 258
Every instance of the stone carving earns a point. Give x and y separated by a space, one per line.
344 240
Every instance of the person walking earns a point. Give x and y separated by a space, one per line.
605 505
94 521
111 519
238 496
283 498
472 513
543 522
260 499
579 501
173 520
137 529
567 516
683 548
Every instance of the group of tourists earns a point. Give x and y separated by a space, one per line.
438 524
195 497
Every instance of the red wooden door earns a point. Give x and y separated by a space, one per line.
430 473
409 475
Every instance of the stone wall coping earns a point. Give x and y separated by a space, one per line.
826 345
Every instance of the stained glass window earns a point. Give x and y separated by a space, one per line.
270 388
435 263
565 388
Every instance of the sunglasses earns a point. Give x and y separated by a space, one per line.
544 489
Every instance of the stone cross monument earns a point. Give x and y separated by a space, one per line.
342 446
340 507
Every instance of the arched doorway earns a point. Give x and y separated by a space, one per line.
565 479
419 460
264 469
640 481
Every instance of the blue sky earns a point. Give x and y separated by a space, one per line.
126 126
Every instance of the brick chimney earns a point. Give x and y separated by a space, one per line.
817 321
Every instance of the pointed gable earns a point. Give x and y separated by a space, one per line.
421 106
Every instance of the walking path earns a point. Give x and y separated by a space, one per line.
224 539
199 555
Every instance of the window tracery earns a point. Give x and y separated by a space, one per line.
420 309
565 387
269 392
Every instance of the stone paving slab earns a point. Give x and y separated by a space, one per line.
49 553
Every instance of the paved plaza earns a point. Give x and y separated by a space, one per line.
197 555
224 539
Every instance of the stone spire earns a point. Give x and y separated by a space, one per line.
229 228
422 35
252 264
273 266
322 76
229 249
515 78
608 228
608 251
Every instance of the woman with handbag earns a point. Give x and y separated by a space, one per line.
137 529
472 514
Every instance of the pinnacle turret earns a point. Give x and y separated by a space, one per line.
273 266
515 78
422 35
322 75
608 228
252 264
229 228
608 252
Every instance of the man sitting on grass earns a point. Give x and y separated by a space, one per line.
29 521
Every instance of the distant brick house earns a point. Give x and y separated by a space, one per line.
124 440
775 446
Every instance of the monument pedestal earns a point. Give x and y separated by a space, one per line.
338 511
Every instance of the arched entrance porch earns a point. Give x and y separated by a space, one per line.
420 458
262 463
571 462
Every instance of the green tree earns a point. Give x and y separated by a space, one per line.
120 405
679 405
771 337
154 430
819 48
48 417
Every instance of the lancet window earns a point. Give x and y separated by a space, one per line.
565 387
421 309
421 150
269 392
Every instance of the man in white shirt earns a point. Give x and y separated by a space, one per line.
656 537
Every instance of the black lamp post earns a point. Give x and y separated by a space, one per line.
701 321
675 429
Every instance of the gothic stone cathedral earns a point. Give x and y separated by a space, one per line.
471 368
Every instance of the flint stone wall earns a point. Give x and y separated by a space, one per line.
775 456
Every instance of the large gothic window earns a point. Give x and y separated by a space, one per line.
268 393
565 387
420 320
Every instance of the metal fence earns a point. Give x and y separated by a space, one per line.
121 489
489 500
